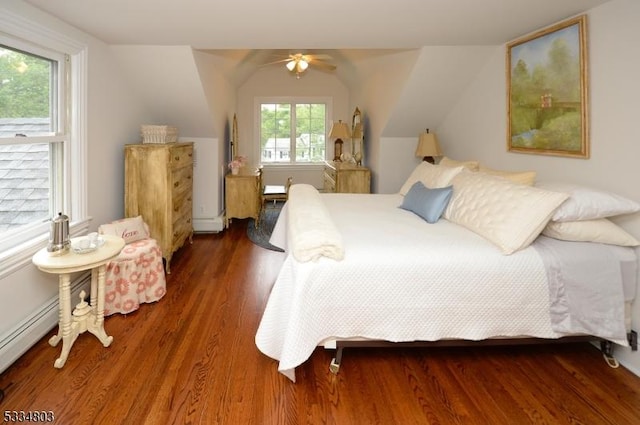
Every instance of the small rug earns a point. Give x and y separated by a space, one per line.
261 235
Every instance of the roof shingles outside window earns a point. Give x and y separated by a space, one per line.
24 175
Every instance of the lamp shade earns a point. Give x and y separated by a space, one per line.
298 64
428 145
339 130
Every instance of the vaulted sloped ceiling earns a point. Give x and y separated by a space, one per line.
241 35
436 81
166 78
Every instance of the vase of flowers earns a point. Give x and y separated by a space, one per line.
237 163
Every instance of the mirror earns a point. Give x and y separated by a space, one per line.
356 137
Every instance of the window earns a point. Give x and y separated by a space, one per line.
292 132
32 138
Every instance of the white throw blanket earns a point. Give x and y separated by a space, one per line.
312 233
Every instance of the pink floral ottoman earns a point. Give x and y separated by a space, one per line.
135 276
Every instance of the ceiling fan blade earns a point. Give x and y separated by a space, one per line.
281 56
275 62
320 56
323 65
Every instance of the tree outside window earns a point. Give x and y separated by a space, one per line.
292 132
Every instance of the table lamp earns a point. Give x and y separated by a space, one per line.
428 147
339 130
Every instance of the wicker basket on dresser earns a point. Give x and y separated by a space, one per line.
159 187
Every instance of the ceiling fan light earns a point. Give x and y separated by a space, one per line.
303 65
291 65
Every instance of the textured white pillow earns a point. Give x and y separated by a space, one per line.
130 229
469 165
432 176
508 214
589 204
600 230
521 177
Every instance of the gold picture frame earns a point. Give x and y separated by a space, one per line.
547 91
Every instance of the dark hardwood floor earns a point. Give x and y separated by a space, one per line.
191 359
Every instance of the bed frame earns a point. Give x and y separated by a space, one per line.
606 347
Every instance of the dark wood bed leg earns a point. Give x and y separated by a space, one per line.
606 347
633 340
334 367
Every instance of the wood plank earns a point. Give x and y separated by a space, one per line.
191 358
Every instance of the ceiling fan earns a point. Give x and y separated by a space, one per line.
298 63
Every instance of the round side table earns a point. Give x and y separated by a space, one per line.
85 316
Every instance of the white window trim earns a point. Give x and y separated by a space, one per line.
327 100
75 167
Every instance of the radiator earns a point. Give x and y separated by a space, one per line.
25 334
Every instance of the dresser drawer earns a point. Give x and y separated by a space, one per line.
329 185
181 180
341 177
182 230
330 173
181 156
182 204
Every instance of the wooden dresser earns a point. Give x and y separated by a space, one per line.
341 177
159 187
242 195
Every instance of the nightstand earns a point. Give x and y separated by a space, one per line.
343 177
242 195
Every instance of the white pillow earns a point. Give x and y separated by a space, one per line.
130 229
600 230
432 176
521 177
470 165
589 204
508 214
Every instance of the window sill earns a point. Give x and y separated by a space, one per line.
300 166
20 256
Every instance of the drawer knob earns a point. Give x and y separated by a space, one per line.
177 158
176 184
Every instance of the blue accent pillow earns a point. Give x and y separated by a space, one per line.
427 203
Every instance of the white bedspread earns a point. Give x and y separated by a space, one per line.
430 282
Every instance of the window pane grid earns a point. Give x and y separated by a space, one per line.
292 133
31 144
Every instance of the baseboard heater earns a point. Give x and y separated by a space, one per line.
25 334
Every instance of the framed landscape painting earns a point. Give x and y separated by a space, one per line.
547 91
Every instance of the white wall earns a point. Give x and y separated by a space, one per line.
211 155
403 93
380 82
277 81
207 207
476 127
114 117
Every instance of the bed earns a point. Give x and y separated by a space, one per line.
359 267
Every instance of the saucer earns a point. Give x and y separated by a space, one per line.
85 245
